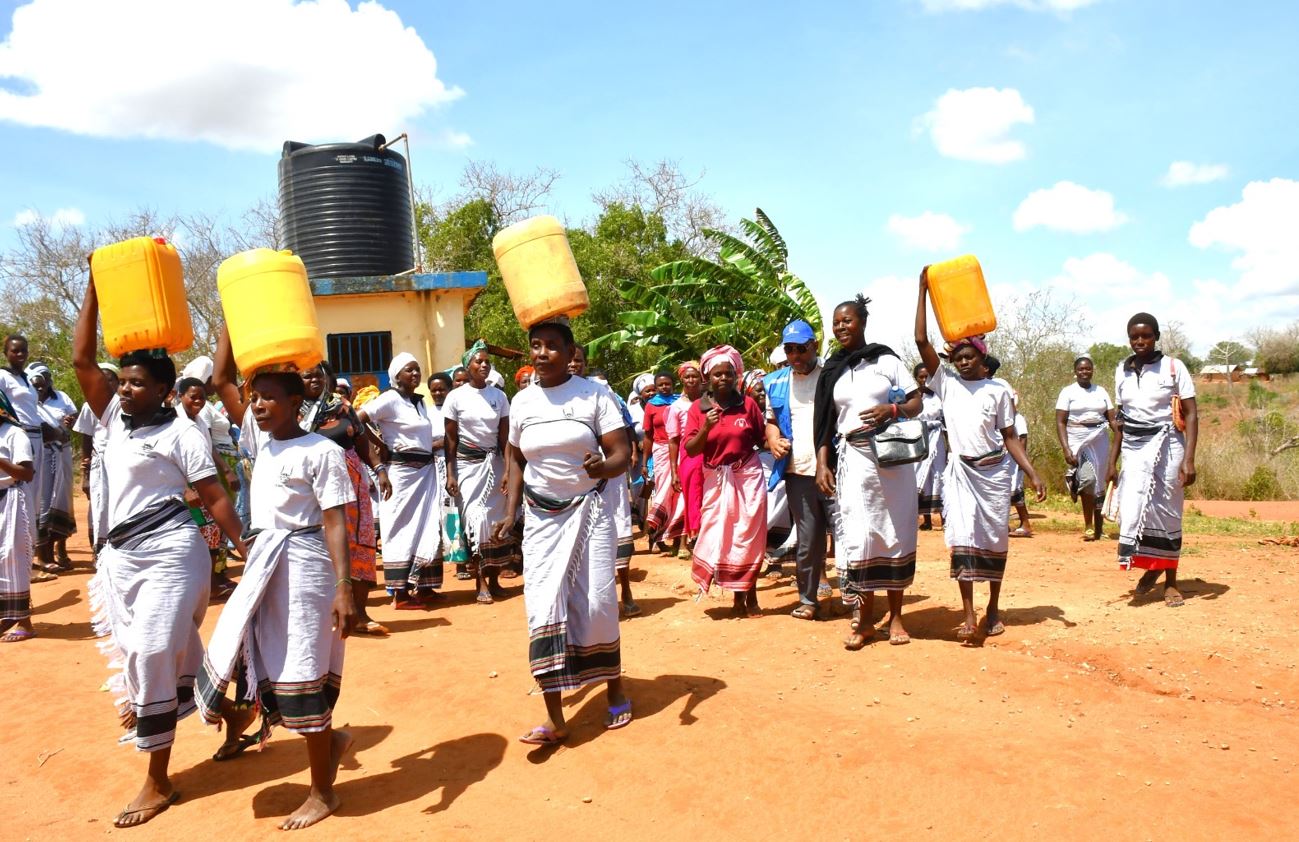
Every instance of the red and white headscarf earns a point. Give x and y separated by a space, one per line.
722 354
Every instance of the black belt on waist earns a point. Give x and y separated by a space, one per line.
149 520
1090 426
537 500
467 452
1132 428
411 457
301 530
990 458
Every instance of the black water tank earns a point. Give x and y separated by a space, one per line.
345 208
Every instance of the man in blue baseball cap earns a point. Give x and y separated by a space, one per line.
790 394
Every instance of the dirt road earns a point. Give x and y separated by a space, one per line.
1090 716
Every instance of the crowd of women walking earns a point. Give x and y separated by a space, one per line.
310 483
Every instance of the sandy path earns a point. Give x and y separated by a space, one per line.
1088 716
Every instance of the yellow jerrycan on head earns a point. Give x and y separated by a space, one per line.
960 298
540 274
141 292
269 310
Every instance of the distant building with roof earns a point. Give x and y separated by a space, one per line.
368 320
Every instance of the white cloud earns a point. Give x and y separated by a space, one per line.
1107 290
1183 173
1261 227
1068 207
979 5
456 140
61 218
973 124
928 232
243 74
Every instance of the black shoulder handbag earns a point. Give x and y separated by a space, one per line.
903 442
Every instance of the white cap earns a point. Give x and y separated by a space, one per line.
777 356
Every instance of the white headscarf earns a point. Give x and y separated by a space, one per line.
496 378
638 385
777 357
398 363
200 368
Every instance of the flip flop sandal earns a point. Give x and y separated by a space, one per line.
230 751
1020 533
899 639
42 576
631 609
612 723
543 736
154 811
805 612
965 632
485 599
408 605
1174 599
372 629
17 636
999 628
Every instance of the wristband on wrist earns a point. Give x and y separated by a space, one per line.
347 582
895 409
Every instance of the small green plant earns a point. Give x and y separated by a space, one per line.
1263 485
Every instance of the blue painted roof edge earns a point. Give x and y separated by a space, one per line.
426 282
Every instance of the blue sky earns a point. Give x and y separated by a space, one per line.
879 136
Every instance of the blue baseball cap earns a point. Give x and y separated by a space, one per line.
798 332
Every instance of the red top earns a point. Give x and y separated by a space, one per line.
740 431
654 417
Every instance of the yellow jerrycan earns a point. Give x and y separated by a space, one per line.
960 298
539 271
269 310
141 291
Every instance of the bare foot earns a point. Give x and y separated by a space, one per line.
856 641
145 806
320 805
315 808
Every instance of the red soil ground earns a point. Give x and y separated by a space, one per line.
1092 716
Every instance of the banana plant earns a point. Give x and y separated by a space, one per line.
743 299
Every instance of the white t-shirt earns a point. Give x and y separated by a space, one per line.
802 398
218 427
866 385
1146 396
88 425
405 425
931 409
1021 425
151 464
16 447
555 428
295 480
54 410
23 396
478 412
976 411
1086 407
